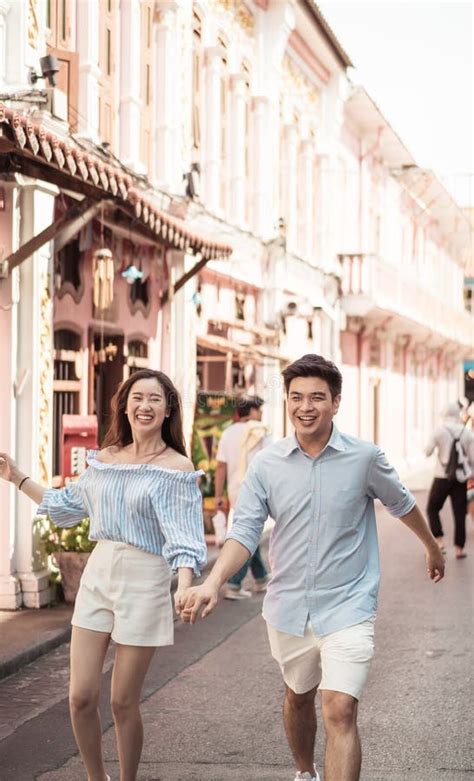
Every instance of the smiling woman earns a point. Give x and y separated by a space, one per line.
141 495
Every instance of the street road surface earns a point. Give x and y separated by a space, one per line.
212 703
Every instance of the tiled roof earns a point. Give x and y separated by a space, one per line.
31 140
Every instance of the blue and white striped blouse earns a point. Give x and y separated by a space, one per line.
156 509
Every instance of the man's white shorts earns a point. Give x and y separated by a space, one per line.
339 661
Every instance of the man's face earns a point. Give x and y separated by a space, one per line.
256 413
310 406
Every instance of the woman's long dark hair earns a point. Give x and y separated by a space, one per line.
119 432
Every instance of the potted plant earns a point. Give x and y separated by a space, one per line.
69 549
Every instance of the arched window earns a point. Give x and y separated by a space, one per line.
140 296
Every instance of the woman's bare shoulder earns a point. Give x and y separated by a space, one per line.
108 454
177 461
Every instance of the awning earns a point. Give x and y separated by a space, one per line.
220 344
27 147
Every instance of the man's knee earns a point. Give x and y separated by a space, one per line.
339 711
300 701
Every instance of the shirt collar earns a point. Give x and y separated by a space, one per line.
335 441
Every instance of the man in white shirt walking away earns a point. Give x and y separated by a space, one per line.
239 443
454 466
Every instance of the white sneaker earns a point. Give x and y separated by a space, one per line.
232 592
261 585
301 776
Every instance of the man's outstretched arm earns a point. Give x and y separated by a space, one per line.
231 558
434 558
250 515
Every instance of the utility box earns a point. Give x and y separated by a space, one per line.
79 434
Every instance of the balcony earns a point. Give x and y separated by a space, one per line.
374 290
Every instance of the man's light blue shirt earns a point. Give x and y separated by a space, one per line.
324 552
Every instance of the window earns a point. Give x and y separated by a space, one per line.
58 23
66 388
196 85
68 271
146 84
248 144
137 355
140 296
107 63
224 124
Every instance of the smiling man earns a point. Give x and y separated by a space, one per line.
319 485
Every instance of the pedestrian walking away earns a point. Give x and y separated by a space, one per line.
238 445
454 446
141 495
319 486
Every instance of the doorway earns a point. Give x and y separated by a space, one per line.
108 363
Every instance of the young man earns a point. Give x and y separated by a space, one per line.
319 486
239 443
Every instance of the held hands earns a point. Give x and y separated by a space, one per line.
203 597
435 564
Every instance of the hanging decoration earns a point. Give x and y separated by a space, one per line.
103 275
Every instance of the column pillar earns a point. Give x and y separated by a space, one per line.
212 152
130 102
35 358
289 173
5 6
238 143
261 216
10 591
306 188
166 73
88 27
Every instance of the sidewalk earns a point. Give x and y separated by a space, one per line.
28 633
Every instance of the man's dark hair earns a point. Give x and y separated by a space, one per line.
247 403
312 365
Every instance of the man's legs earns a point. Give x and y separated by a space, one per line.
236 580
438 494
299 716
343 752
257 567
458 496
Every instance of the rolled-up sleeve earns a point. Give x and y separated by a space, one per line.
64 507
251 510
384 484
179 508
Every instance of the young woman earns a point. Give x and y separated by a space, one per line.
141 495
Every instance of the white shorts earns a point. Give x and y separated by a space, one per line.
126 592
339 661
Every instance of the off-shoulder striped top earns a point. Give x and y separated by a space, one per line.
156 509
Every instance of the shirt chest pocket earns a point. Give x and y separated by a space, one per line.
344 506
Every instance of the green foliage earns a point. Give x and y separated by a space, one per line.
75 539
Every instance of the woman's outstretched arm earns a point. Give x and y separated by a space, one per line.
9 471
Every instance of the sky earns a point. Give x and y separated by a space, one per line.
415 59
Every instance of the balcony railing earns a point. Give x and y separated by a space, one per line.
369 284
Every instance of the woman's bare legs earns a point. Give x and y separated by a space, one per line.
88 651
130 667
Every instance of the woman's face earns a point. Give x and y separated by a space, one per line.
146 406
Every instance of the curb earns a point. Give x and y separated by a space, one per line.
28 655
